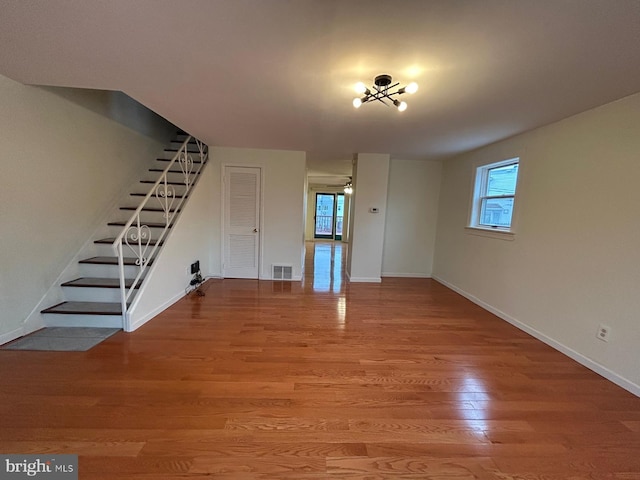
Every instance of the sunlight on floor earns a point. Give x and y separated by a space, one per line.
324 266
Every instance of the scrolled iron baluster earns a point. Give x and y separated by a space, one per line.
186 165
138 238
166 195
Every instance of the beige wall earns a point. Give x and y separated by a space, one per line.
62 167
412 212
575 259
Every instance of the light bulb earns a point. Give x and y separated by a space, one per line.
360 88
411 88
357 102
402 106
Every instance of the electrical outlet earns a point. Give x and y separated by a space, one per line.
603 332
195 267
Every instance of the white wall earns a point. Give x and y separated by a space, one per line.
62 168
575 258
412 212
283 192
370 181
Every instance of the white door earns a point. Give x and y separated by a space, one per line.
241 222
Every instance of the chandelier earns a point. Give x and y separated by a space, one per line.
381 90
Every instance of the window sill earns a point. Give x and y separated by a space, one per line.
491 233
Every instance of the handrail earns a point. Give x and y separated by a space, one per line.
137 236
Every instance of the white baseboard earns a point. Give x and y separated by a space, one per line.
295 278
406 275
10 336
578 357
365 279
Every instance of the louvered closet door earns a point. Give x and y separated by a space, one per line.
242 222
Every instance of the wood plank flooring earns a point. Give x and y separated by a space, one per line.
321 379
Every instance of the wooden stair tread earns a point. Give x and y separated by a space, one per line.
109 241
144 195
169 159
190 149
147 209
168 183
85 308
171 171
148 224
99 282
110 261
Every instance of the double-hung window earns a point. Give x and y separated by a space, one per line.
494 196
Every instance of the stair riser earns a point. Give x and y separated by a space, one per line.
195 154
178 140
65 320
145 217
107 271
105 250
172 176
90 294
178 184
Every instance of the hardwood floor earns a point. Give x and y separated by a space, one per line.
321 379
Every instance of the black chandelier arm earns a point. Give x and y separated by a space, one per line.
383 91
380 95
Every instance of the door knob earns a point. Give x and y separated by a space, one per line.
255 230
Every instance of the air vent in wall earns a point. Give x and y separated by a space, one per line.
282 272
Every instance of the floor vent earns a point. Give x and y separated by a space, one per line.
282 272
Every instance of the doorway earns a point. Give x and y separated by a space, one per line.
329 216
241 222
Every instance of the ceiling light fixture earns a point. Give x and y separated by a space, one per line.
381 90
348 187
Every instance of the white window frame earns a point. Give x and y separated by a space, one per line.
479 194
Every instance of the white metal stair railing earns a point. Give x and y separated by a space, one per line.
136 236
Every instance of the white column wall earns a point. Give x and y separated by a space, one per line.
371 176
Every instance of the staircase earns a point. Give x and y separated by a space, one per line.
141 225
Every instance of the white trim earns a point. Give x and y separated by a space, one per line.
406 275
365 279
10 336
578 357
491 233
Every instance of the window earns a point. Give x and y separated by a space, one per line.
494 196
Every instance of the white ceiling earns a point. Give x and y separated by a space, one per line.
280 73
